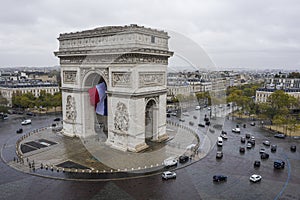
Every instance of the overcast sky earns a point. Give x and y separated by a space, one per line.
234 33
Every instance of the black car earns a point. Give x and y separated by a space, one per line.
20 130
293 148
57 119
191 123
30 114
248 135
273 147
242 149
183 158
218 178
256 163
279 135
201 125
244 125
264 156
279 164
207 123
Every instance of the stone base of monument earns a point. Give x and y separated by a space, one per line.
162 138
101 160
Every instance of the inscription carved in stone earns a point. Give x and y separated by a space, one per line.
121 119
71 113
70 76
121 79
151 79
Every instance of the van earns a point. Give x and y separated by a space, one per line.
220 141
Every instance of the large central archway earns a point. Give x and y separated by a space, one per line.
93 122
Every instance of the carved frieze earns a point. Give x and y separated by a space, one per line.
121 118
149 79
121 79
71 113
124 56
102 71
69 77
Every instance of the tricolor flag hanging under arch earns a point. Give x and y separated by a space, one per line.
98 98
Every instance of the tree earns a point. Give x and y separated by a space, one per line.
278 106
57 100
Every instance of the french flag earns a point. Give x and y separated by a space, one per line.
98 98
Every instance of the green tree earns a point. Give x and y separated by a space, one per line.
57 100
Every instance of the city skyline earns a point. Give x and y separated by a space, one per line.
252 35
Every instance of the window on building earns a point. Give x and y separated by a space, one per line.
152 39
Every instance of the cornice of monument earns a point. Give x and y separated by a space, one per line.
113 30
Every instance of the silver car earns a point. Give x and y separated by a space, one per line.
168 174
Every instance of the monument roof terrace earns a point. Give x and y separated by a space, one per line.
112 30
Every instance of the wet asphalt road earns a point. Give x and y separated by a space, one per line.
192 182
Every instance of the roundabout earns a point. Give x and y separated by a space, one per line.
45 152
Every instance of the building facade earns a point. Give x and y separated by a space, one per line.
7 90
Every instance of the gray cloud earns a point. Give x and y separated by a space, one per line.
234 33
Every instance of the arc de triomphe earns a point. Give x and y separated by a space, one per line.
132 61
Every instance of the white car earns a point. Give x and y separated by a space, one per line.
266 142
262 150
26 122
167 175
236 130
170 162
255 178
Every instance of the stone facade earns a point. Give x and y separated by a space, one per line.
132 60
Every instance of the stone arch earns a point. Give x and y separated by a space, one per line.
86 72
151 119
93 124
